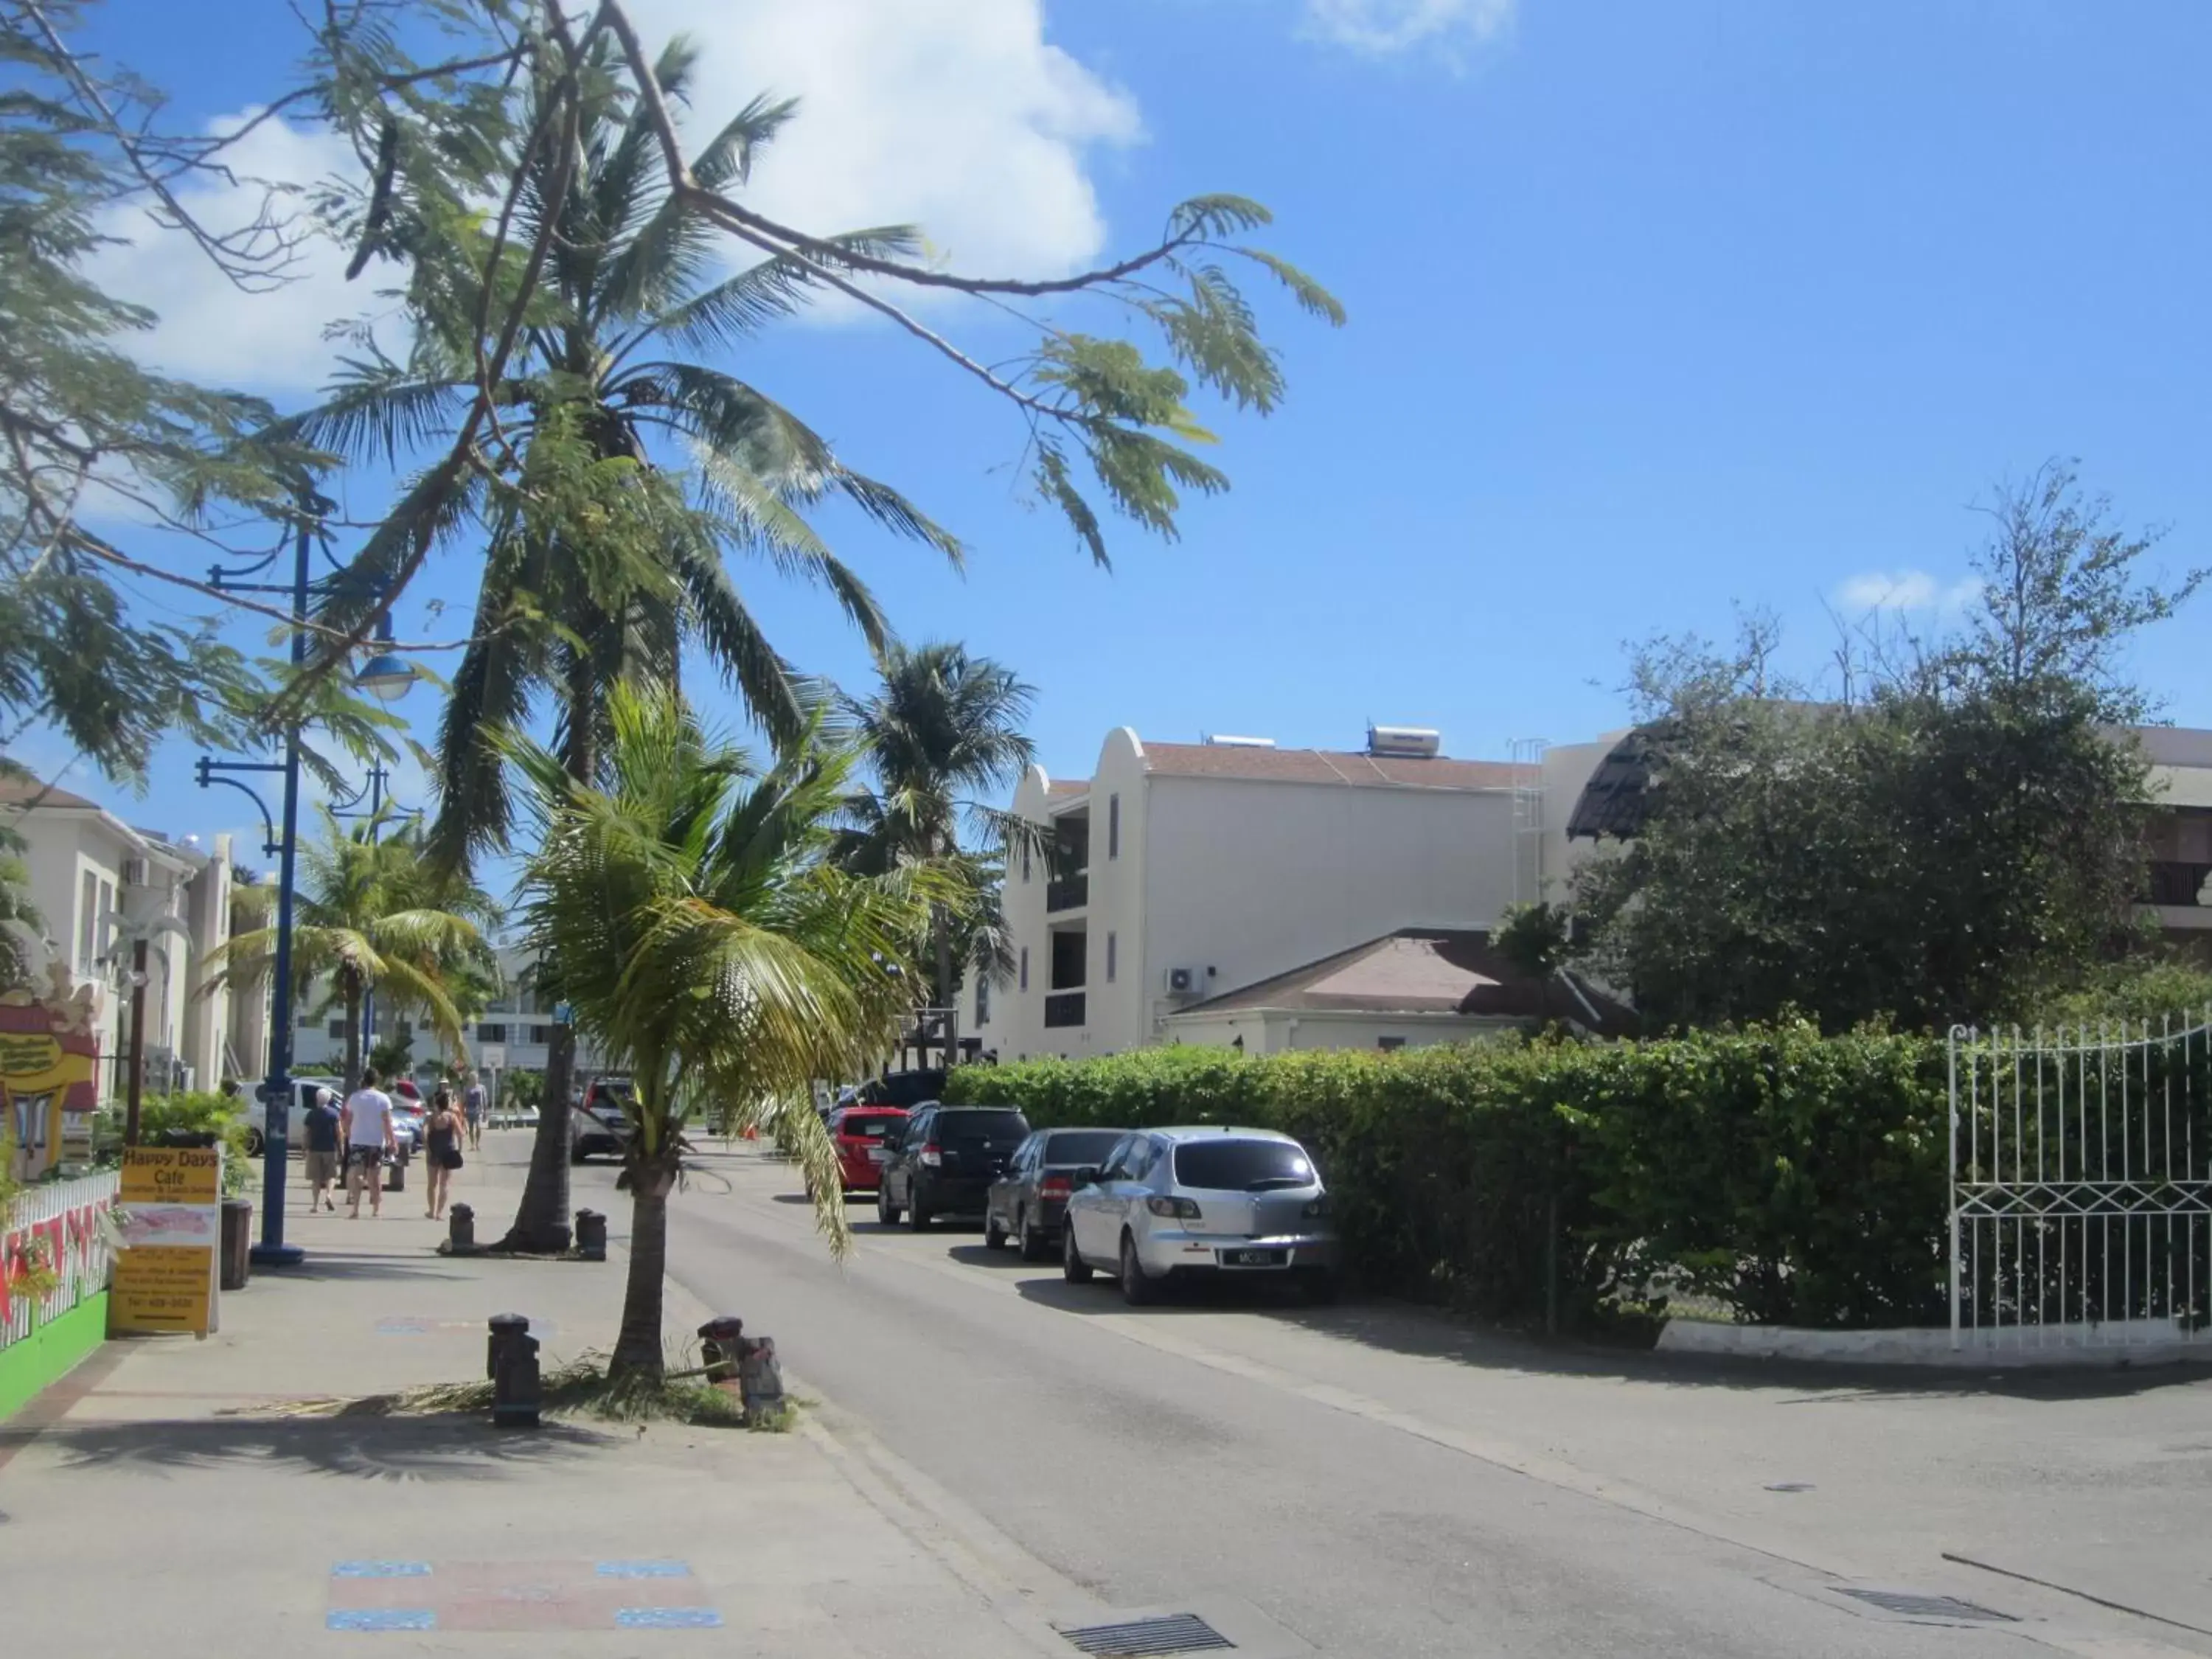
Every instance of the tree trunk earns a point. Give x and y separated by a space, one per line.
351 981
948 992
637 1349
541 1220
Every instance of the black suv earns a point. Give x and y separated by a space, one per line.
904 1090
945 1161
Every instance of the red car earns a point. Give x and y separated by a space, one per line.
862 1134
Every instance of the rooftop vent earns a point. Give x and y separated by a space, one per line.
1404 742
1230 740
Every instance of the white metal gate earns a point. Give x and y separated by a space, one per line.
2081 1185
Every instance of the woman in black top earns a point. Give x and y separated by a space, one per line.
443 1138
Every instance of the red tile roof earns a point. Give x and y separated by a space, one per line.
1069 786
1207 760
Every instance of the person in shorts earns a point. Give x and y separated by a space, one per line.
369 1140
472 1111
321 1129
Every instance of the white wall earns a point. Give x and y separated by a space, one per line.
1250 879
1276 1031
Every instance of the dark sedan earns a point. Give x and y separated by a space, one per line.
1028 1202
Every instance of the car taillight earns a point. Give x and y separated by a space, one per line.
1176 1209
1316 1208
932 1155
1055 1187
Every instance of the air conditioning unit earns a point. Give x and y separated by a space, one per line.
1405 742
135 873
1184 982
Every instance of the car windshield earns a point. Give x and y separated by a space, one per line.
981 1125
876 1125
1243 1166
1080 1147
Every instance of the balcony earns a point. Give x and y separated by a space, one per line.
1063 1008
1070 892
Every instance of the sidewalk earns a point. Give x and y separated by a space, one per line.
157 1506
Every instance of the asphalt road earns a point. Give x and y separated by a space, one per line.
1377 1482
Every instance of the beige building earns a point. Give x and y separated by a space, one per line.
100 884
1185 873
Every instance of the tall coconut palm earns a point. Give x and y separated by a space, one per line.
711 946
600 566
941 729
373 915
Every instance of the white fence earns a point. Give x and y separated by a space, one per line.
2081 1186
62 1225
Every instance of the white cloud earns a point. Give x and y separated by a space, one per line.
955 115
1905 590
209 329
1385 27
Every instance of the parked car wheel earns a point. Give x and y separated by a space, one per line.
886 1212
1072 1267
1136 1289
254 1143
1034 1248
994 1235
918 1217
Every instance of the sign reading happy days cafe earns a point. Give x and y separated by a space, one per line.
165 1274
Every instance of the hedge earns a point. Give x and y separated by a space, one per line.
1799 1178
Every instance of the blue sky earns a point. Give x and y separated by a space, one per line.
1656 312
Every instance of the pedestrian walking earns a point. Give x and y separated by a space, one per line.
442 1137
473 1108
368 1140
322 1132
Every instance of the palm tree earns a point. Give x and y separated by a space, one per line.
942 729
373 915
711 946
599 567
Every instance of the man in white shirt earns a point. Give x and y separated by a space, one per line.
369 1137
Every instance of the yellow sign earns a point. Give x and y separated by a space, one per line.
27 1057
172 1206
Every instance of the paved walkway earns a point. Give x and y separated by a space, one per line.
154 1502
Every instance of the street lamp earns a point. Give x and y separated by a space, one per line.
386 676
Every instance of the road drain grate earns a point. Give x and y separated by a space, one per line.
1926 1607
1180 1632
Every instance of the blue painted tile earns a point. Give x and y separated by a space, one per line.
379 1570
669 1618
381 1618
643 1569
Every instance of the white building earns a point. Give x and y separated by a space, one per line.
1185 873
98 884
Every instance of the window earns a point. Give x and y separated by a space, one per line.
336 1030
1025 860
541 1035
1080 1147
1112 1168
87 918
1137 1162
1109 958
1025 965
1113 826
983 1000
490 1033
1243 1166
1388 1045
106 904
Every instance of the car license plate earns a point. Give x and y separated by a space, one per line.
877 1155
1254 1258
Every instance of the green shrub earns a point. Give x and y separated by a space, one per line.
200 1111
1801 1179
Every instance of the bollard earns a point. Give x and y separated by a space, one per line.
590 1235
505 1329
514 1400
760 1378
721 1348
461 1229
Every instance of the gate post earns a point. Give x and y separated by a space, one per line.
1951 1192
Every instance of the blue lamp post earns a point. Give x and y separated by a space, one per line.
393 679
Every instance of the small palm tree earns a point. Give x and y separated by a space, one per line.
705 940
372 914
941 729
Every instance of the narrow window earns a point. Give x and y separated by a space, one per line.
1025 967
1113 826
1110 942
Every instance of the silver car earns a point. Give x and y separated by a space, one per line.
1191 1203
